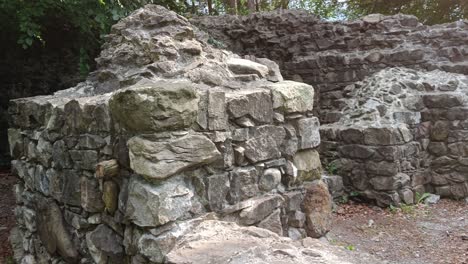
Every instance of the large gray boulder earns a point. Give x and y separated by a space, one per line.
52 230
105 245
308 165
155 107
259 208
292 97
161 159
214 241
251 103
265 143
154 205
241 66
317 206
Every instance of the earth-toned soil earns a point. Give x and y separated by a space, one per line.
7 203
420 234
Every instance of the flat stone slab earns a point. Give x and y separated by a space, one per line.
162 159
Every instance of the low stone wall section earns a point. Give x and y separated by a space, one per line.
119 168
402 133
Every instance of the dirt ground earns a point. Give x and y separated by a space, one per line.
7 203
419 234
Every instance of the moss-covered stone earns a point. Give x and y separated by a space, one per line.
155 107
308 165
161 159
110 194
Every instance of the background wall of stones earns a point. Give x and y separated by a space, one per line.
332 55
385 153
118 168
401 133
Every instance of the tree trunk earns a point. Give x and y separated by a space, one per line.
231 7
251 5
210 7
282 4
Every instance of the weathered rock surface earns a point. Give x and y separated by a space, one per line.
218 187
270 179
91 196
155 107
243 183
254 245
52 231
265 143
396 132
150 205
259 208
106 245
255 104
166 129
162 159
292 97
317 206
308 165
332 55
241 66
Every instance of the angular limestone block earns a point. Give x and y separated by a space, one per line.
292 97
156 107
162 159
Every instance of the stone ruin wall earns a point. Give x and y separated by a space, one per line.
388 160
332 55
119 168
166 130
403 132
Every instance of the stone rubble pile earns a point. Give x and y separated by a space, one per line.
167 129
402 132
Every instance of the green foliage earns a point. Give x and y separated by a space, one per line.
428 11
421 197
407 208
10 260
410 208
216 43
331 168
89 20
328 9
350 247
346 197
27 22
